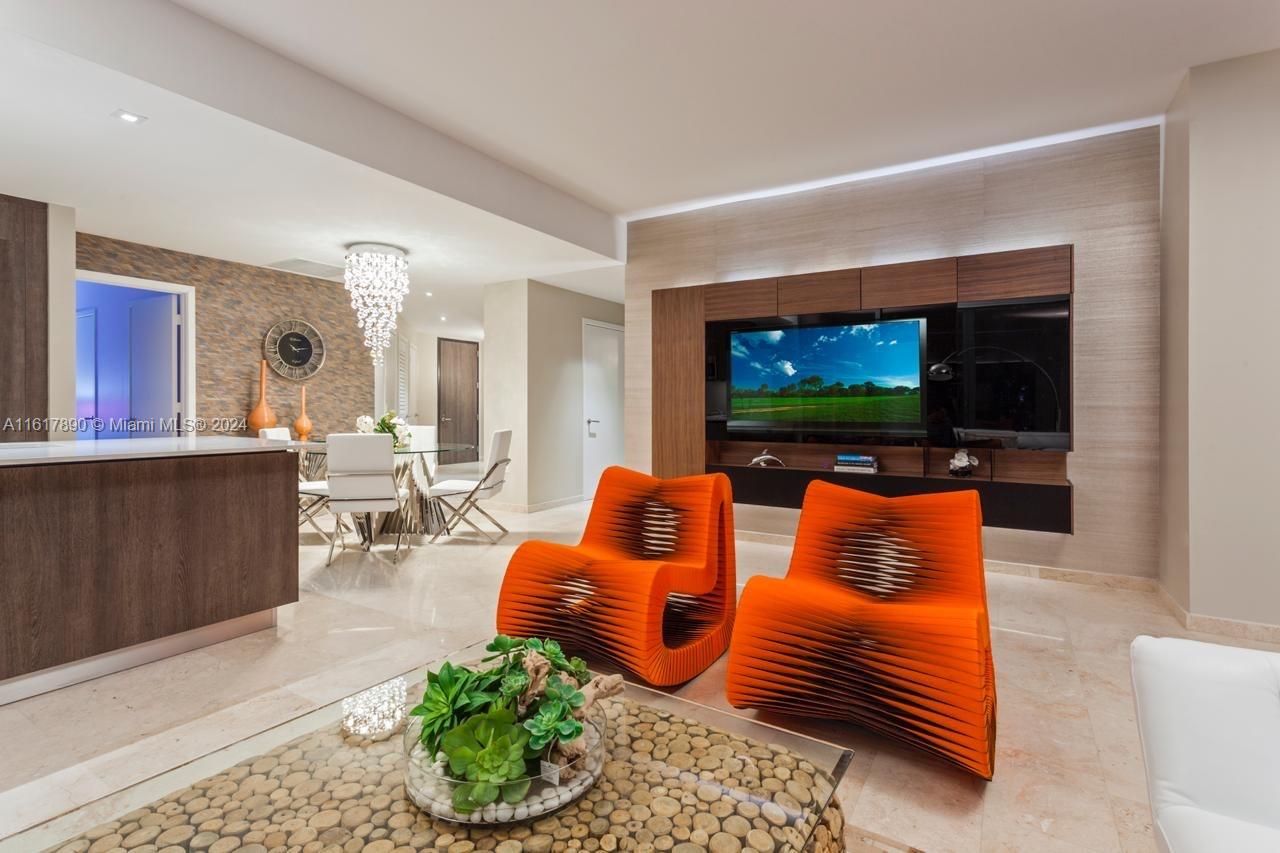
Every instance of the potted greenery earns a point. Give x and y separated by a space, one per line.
518 735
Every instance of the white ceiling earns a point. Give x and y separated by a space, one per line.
198 180
637 105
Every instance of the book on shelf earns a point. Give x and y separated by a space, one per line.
855 459
857 469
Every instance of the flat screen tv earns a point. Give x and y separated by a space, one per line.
827 377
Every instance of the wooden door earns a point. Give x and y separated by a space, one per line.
458 397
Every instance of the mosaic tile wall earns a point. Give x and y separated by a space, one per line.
235 305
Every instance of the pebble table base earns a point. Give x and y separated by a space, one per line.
669 783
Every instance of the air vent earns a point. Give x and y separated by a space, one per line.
314 269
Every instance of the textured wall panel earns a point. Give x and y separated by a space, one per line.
1101 195
235 305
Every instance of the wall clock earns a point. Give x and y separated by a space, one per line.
294 349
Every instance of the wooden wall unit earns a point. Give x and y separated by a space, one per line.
1101 195
742 300
1009 275
816 293
99 556
908 285
679 381
24 317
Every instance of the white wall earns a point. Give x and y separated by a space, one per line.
555 388
1175 548
1232 306
504 380
532 383
62 317
425 379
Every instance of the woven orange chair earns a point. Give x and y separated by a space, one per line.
881 620
651 587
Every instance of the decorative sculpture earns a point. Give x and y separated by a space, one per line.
303 426
262 417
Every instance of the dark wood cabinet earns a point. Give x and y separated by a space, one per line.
1015 275
742 300
816 293
910 284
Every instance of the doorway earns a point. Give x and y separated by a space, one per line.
134 364
458 398
602 404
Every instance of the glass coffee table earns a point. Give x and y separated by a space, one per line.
677 776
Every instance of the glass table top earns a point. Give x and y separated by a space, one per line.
674 769
438 447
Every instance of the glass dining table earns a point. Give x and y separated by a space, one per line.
421 514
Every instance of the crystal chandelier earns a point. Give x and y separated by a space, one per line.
378 279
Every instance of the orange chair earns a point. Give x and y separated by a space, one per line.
650 587
881 620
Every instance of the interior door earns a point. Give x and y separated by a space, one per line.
602 370
153 365
458 397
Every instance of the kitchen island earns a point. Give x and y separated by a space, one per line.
117 552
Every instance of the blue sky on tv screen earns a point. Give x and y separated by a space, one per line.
887 354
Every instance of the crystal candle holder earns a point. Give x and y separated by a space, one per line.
377 712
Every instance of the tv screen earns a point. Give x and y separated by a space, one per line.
827 375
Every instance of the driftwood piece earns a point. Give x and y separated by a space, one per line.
600 687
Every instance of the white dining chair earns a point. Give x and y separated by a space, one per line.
423 437
362 481
463 496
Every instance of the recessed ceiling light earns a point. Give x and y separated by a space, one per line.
443 318
429 293
131 118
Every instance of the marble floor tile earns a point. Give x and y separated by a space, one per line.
1133 822
1068 769
1034 803
920 801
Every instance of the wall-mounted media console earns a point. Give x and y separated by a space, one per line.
901 365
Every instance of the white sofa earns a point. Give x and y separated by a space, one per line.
1209 719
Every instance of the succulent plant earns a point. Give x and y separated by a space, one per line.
488 752
452 695
553 721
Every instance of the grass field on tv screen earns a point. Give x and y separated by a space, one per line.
883 409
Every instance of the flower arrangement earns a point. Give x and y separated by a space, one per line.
521 716
390 424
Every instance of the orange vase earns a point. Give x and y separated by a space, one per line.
303 426
261 417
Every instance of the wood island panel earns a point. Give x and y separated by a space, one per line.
99 556
742 300
679 382
24 317
837 290
907 285
1021 273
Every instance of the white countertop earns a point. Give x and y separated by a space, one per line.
101 450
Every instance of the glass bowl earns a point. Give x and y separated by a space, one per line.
429 784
